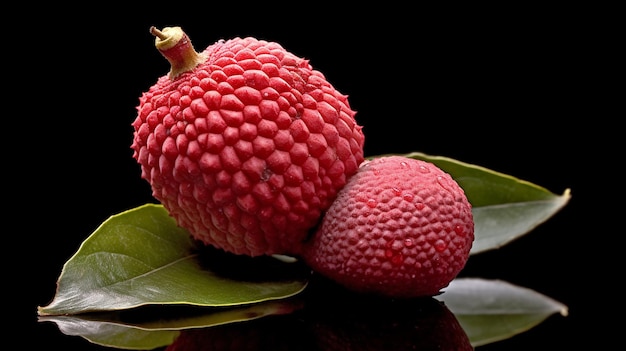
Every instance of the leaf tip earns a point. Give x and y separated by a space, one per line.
567 193
41 311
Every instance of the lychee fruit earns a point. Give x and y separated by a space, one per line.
400 227
244 143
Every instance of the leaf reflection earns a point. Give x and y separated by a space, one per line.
471 312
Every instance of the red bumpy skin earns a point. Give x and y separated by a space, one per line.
400 227
247 149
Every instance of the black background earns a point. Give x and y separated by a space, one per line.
508 89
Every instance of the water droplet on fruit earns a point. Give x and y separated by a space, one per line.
424 169
440 245
443 182
403 164
371 203
408 242
459 230
407 197
396 191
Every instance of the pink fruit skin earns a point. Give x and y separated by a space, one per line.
400 227
249 148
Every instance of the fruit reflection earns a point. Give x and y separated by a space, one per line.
340 320
269 333
336 319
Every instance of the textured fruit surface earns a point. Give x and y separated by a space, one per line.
400 227
247 149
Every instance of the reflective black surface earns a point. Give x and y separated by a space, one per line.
497 92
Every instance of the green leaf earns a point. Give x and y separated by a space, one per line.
114 329
494 310
504 207
141 257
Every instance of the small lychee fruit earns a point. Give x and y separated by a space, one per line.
244 143
400 227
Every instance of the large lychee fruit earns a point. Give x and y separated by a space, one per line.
244 143
400 227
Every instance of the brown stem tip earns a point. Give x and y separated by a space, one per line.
157 33
176 47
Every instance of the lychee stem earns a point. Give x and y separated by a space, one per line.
176 47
